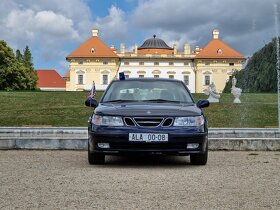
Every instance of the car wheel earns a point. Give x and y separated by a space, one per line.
199 159
95 158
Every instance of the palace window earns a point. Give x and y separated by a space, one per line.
105 63
80 62
80 79
186 63
105 79
126 75
156 63
219 51
207 80
186 79
231 64
156 76
126 63
171 64
207 63
141 76
141 63
171 76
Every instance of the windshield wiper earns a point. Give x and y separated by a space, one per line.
161 101
118 101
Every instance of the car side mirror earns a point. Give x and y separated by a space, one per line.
202 103
91 102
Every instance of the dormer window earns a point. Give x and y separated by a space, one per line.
219 51
92 50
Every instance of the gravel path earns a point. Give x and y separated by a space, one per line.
64 180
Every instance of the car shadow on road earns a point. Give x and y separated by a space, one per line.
147 161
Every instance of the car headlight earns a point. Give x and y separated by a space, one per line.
107 120
189 121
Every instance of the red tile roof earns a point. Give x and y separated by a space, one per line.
93 47
67 75
50 79
212 48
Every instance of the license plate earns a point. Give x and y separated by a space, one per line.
148 137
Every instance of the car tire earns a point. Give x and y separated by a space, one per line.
199 159
95 158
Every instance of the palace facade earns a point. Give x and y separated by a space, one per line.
197 68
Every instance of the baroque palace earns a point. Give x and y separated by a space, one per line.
197 68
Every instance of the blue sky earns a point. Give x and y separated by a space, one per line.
54 28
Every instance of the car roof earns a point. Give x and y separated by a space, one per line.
149 79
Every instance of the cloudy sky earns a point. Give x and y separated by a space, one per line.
53 28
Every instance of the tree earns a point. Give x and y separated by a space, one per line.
6 54
19 56
260 73
32 75
27 58
16 73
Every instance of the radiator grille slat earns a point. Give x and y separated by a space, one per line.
148 121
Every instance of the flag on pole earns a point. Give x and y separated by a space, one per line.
92 92
90 101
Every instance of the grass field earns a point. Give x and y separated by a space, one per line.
68 109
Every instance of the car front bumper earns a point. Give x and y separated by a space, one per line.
118 139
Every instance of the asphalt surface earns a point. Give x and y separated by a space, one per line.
65 180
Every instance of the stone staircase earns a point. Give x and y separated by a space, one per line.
255 139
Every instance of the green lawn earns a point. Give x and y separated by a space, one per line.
68 109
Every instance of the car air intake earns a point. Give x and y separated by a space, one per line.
128 121
167 122
148 122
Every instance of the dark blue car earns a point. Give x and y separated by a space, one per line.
148 116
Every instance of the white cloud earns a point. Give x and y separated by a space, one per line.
28 23
47 27
113 26
55 25
192 21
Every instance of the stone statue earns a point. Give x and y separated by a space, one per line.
236 92
214 96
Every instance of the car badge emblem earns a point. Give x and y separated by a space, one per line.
149 112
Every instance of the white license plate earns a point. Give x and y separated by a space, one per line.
148 137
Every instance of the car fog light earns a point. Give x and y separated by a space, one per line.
103 145
192 146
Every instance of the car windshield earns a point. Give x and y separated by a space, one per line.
147 91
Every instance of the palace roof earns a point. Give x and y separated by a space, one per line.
218 49
154 43
93 47
67 75
50 79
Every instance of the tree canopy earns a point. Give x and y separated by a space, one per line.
260 74
16 71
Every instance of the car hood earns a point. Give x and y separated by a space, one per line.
150 109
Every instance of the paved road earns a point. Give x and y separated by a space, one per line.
64 180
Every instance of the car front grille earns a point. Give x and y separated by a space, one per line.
148 121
